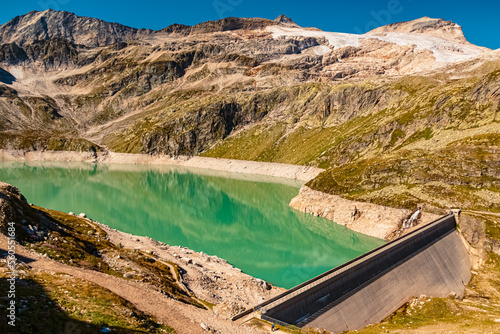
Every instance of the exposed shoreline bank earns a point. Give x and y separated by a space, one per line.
272 169
371 219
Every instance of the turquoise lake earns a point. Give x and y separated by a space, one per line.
241 218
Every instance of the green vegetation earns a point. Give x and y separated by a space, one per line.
396 136
207 305
444 178
266 326
37 140
492 224
252 144
425 134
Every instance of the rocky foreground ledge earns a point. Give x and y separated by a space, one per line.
209 277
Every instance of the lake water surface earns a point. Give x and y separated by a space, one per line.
241 218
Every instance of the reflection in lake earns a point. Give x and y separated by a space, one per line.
245 220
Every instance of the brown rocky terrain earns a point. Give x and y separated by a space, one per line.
426 26
59 25
378 221
92 85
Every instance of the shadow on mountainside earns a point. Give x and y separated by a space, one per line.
6 77
37 313
24 259
69 306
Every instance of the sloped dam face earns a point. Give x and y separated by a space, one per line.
243 219
431 261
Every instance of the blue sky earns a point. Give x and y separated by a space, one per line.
479 19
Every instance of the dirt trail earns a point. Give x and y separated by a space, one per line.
484 213
183 318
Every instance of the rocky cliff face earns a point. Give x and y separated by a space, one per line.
50 24
226 24
283 19
14 209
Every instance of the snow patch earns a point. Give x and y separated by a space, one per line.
318 50
335 39
445 51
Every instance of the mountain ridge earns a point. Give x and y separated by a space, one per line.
426 26
48 24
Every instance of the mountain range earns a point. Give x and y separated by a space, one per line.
402 115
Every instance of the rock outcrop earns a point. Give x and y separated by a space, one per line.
226 24
426 26
285 20
375 220
38 26
15 212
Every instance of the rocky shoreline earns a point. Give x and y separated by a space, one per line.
374 220
287 171
208 277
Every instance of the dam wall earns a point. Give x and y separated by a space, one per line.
431 260
440 270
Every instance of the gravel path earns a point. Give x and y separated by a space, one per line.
183 318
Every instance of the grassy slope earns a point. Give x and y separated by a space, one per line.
73 241
59 303
437 144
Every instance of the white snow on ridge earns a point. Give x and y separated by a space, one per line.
444 50
318 50
336 39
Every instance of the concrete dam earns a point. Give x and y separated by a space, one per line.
432 260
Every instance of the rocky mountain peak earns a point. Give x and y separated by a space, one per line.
231 23
283 19
426 26
51 24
